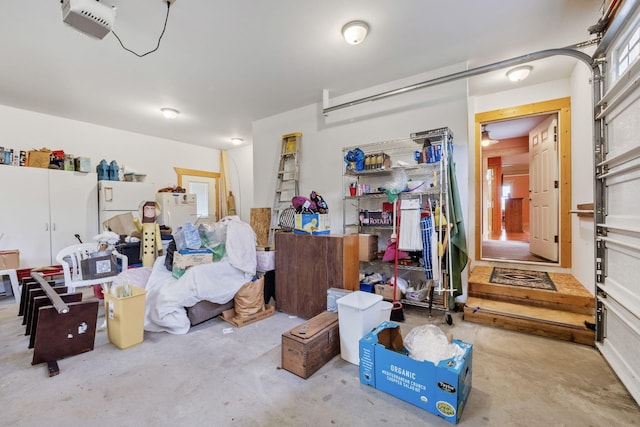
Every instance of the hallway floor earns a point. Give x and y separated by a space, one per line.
209 377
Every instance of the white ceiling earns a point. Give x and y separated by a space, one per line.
225 64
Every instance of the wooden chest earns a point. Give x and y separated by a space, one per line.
309 346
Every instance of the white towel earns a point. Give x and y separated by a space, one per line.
435 261
410 238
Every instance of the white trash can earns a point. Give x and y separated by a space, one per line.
358 314
385 311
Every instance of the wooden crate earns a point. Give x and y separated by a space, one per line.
309 346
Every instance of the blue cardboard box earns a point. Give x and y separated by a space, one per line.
311 224
442 390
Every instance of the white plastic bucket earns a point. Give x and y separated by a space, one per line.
358 313
385 311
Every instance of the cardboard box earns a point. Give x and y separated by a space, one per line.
122 224
39 158
311 224
99 267
10 259
387 291
367 247
442 390
309 346
185 258
230 316
376 218
82 164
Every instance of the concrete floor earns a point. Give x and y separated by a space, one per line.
212 378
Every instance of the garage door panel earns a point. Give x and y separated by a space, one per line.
617 200
621 279
621 340
622 126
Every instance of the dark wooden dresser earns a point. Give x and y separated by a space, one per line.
306 266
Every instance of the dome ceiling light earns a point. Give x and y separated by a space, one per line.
519 73
355 32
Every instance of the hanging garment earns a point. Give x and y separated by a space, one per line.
410 238
459 254
427 232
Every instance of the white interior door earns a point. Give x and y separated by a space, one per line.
206 189
543 170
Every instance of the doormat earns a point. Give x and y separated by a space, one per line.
524 278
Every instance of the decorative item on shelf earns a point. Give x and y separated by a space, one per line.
321 205
57 159
82 164
113 171
103 170
135 177
355 160
38 158
353 188
377 161
68 163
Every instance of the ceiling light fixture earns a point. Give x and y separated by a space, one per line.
486 140
355 32
519 73
236 141
169 113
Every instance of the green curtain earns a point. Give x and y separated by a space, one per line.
458 248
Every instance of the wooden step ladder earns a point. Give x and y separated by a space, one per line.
286 181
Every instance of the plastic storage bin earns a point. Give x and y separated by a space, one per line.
358 313
125 318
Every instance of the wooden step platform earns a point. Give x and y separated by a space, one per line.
559 314
570 294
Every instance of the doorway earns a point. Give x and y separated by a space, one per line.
206 185
504 181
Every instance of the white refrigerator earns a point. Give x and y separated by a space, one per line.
176 209
119 197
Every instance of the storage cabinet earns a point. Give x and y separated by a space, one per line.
307 266
513 215
421 162
43 209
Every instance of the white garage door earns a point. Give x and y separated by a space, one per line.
617 197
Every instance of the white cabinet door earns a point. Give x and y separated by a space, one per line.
24 215
43 209
73 201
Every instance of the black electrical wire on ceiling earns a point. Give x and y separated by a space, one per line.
160 38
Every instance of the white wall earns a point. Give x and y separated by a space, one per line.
241 176
321 160
582 180
155 157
